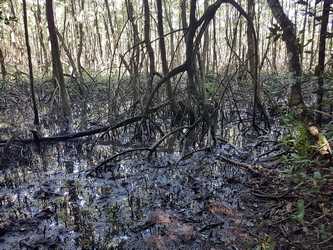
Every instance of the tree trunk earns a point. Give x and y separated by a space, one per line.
169 18
289 37
150 50
190 55
164 62
252 57
41 37
2 65
215 67
99 38
313 40
205 51
321 59
57 67
304 30
250 39
136 52
31 76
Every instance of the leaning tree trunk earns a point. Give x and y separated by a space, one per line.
31 76
296 99
321 58
57 67
293 49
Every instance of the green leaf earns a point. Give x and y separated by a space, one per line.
300 212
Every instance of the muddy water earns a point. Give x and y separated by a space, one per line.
135 203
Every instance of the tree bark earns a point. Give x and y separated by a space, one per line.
2 65
31 76
164 62
252 58
205 50
57 67
169 18
321 59
150 50
289 37
136 52
313 40
41 36
304 30
99 38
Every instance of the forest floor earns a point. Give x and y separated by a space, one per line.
202 202
229 196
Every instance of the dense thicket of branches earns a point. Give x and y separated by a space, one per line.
185 53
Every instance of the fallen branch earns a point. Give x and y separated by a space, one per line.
151 149
72 136
252 168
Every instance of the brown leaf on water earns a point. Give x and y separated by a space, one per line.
181 231
157 242
219 208
239 233
160 217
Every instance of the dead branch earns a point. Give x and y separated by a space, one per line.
252 168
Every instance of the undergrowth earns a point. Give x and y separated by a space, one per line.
309 178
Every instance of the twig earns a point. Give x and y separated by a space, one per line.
325 241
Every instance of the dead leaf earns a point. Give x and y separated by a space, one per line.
289 207
181 231
160 217
157 242
219 208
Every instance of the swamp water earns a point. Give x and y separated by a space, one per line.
54 201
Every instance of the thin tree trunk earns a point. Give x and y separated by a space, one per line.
57 67
274 51
164 62
150 50
168 15
2 65
190 55
31 76
313 42
136 52
41 36
304 30
99 38
205 51
215 67
321 58
252 57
